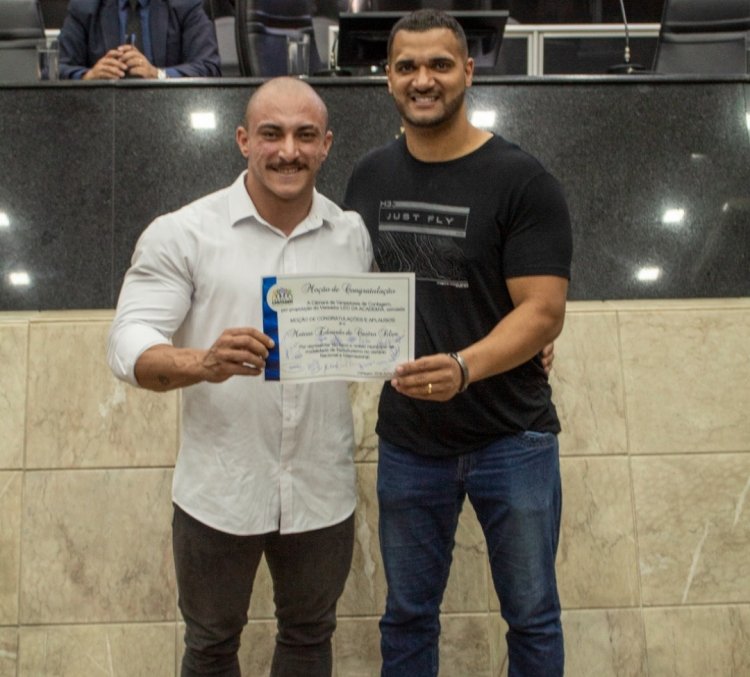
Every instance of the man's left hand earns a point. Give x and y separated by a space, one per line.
548 357
137 64
435 377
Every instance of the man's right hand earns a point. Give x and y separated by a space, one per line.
109 67
237 352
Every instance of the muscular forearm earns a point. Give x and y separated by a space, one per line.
165 367
516 339
535 321
237 352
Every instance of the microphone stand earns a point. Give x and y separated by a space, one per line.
626 68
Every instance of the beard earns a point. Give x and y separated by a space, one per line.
450 111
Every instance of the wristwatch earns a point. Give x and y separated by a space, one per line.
161 74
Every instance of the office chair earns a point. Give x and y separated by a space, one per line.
226 38
53 12
704 37
222 14
21 26
218 8
262 27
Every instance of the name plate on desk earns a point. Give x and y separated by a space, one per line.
338 327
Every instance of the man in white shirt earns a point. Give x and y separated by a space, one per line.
264 467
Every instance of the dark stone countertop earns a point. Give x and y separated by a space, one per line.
656 170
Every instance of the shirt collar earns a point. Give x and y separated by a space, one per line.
242 208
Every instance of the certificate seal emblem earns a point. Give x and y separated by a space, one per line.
280 296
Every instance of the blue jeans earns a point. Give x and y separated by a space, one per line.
514 486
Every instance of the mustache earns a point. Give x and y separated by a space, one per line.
288 165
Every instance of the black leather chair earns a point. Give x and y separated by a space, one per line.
21 27
483 42
262 28
53 12
703 37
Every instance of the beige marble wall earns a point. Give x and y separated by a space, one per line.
654 559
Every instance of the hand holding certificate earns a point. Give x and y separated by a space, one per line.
338 327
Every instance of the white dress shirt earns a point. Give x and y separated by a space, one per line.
255 456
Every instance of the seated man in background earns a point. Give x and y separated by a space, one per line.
157 39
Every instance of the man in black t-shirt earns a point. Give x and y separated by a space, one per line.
486 230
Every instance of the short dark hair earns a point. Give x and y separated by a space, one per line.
425 20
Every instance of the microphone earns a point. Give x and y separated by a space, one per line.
626 67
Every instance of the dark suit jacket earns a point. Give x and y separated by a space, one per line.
182 36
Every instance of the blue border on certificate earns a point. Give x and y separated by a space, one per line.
271 328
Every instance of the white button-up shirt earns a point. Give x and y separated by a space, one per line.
255 456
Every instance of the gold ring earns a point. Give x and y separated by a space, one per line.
429 388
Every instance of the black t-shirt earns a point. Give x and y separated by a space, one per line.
463 227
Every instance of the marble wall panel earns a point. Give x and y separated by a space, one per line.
498 646
97 547
596 562
698 641
94 534
605 643
587 384
465 645
693 522
256 647
10 545
8 652
13 344
357 647
364 398
686 380
81 416
598 642
364 594
135 650
179 639
469 582
261 600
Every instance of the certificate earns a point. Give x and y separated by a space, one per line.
338 327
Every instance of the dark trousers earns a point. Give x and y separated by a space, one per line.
215 574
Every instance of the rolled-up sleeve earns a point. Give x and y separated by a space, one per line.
155 297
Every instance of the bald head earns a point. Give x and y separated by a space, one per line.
285 140
285 87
